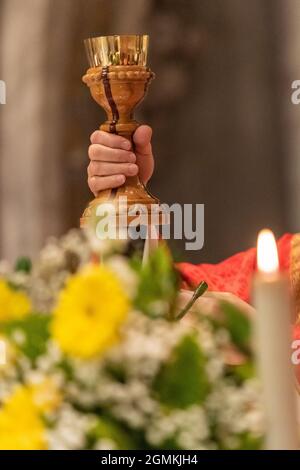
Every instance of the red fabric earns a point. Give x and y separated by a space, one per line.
296 332
235 273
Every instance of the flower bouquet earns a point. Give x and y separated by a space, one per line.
100 356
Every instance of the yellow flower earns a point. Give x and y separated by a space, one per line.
89 313
14 304
21 426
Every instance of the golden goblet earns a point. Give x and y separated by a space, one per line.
118 79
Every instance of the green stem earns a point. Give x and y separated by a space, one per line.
200 289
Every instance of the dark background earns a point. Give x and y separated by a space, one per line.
225 130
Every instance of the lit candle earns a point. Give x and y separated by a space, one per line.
273 335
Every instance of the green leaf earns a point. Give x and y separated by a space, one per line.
246 441
251 442
199 291
183 381
106 428
67 368
245 371
35 329
158 284
238 325
23 264
116 371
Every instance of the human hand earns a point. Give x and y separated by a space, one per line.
113 158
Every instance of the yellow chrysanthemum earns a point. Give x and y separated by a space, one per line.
21 426
14 304
89 313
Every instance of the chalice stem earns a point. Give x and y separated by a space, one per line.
151 242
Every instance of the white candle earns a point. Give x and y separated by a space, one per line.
273 335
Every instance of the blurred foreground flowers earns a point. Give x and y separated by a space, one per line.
85 324
97 360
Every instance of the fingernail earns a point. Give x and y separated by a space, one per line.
121 179
126 145
132 169
132 157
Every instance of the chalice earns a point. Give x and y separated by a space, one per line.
118 79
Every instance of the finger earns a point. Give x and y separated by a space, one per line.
97 168
99 183
142 140
105 154
110 140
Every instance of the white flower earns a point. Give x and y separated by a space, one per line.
19 337
119 265
188 427
105 444
237 410
104 246
70 430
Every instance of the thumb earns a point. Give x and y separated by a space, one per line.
142 140
143 151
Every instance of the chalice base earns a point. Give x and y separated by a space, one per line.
127 202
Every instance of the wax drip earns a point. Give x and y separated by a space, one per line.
113 193
148 80
110 99
114 110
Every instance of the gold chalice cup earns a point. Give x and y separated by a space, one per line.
118 79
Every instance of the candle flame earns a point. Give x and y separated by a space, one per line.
267 254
